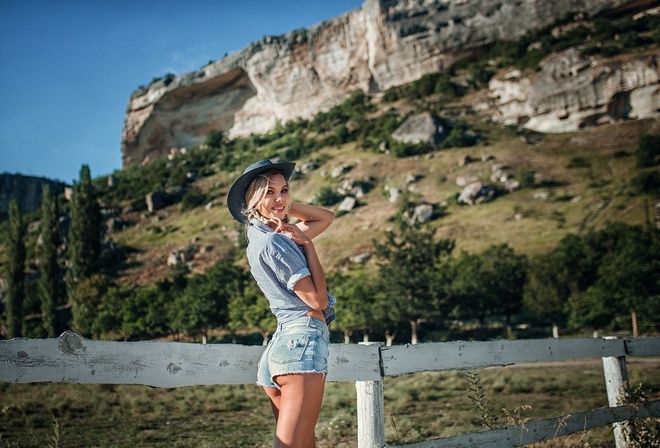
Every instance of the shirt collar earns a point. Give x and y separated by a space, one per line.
258 225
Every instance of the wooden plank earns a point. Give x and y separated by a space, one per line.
349 362
461 355
643 346
72 358
541 430
75 359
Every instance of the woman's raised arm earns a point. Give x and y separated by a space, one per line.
313 220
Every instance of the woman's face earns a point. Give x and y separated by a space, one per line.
277 201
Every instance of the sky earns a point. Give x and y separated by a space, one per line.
68 67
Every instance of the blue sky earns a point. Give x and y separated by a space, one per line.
68 67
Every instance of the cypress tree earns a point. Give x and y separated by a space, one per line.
50 271
15 272
84 246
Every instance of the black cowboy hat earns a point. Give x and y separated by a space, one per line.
236 196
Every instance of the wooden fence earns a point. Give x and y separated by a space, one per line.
74 359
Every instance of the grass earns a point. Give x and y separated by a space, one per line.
418 407
586 175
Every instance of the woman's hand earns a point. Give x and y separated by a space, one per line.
292 231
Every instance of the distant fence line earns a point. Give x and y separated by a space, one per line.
72 358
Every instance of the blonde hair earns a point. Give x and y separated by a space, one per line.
256 193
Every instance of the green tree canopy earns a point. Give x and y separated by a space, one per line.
85 233
627 278
250 311
357 295
487 284
49 269
203 303
15 272
407 263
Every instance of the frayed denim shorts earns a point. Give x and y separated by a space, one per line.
299 346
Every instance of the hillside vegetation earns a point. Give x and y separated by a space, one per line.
570 182
567 184
580 181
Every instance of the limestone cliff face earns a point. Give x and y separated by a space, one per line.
571 92
382 44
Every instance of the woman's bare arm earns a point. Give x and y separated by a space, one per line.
313 220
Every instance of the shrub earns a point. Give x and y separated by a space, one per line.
648 150
525 177
192 199
459 136
327 197
647 182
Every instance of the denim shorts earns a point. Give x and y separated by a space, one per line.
299 346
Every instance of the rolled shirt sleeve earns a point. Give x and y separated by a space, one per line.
288 264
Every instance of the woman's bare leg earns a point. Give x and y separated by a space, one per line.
274 396
299 408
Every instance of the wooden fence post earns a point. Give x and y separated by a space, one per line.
371 410
618 392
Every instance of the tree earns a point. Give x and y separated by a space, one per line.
90 294
407 265
547 289
49 284
15 272
357 297
505 274
203 304
627 278
84 248
144 312
250 311
108 315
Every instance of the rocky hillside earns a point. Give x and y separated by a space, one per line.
458 149
536 189
26 190
388 43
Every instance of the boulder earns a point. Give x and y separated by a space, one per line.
423 128
393 193
422 214
347 204
156 200
476 193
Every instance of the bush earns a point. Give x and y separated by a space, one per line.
327 197
648 150
192 199
400 149
647 182
459 137
525 177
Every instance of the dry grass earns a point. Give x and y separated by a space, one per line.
418 407
586 175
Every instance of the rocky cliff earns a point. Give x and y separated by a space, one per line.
571 92
382 44
26 190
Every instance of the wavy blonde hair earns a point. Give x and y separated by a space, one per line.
256 193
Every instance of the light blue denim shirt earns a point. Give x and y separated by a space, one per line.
277 264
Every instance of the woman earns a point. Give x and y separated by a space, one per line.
287 269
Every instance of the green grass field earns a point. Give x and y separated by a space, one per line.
418 407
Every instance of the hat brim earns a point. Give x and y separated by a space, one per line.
236 195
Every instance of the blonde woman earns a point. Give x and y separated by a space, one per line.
286 267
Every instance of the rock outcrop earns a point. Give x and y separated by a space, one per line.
26 190
571 92
382 44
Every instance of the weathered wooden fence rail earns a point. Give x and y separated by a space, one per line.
74 359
